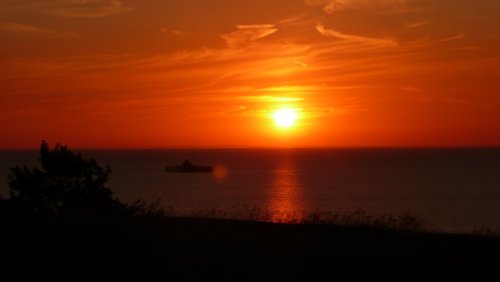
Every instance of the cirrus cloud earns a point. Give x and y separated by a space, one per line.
248 33
384 42
332 6
34 31
88 8
69 8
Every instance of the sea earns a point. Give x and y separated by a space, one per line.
452 190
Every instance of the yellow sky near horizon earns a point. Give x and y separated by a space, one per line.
194 73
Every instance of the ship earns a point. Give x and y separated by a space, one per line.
187 167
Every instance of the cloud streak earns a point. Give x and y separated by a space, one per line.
332 6
88 8
384 42
173 32
453 38
266 98
246 34
33 31
71 8
417 24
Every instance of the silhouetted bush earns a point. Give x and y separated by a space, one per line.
66 184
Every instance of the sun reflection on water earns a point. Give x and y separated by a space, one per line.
286 203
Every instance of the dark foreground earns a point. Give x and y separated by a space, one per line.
179 249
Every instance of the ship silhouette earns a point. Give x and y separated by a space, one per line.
187 167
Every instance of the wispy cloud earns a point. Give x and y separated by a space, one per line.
173 32
453 38
337 5
248 33
356 38
417 24
70 8
412 89
265 98
88 8
302 64
29 30
332 6
233 111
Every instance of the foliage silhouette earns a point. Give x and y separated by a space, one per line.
66 184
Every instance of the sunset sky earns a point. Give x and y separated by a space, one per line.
198 73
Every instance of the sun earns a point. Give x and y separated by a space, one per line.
285 117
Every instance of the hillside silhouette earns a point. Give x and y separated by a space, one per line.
61 220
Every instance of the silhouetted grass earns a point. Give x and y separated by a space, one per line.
154 209
356 219
360 218
236 244
485 232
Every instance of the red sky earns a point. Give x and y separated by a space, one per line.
196 73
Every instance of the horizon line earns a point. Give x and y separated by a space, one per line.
265 148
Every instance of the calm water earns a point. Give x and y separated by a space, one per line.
453 189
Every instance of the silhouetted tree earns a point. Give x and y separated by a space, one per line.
66 184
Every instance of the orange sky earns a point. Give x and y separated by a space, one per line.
197 73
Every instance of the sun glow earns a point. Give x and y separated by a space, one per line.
285 117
